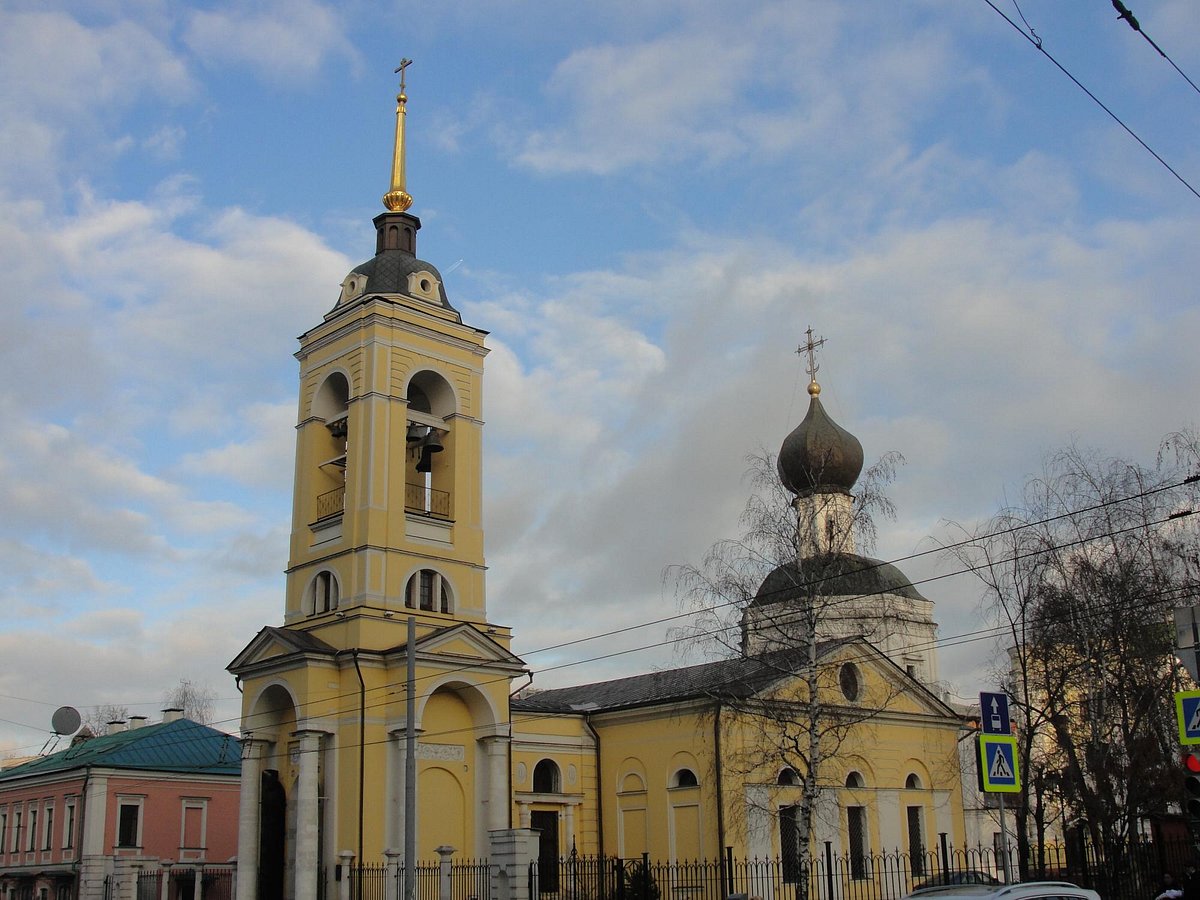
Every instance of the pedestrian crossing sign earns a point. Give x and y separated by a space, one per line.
998 772
1187 712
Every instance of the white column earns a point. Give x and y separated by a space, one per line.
567 839
248 818
444 853
307 811
346 861
496 748
393 827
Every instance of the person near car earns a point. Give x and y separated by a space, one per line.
1171 889
1191 882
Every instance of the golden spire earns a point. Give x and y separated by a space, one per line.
398 199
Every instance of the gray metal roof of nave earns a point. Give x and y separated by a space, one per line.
735 678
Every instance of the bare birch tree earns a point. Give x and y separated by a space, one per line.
196 699
1083 573
772 595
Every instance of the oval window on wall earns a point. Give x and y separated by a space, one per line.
850 681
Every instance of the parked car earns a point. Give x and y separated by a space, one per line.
966 876
1030 890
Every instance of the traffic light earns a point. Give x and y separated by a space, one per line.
1191 787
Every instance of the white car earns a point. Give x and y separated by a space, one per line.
1030 890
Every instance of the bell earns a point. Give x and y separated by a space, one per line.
416 432
430 444
432 441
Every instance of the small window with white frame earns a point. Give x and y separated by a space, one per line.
129 823
47 827
68 835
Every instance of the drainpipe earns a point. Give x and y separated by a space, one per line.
76 865
587 720
362 746
512 694
720 781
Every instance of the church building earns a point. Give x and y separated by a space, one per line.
377 716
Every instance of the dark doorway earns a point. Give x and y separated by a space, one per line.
271 831
547 824
916 844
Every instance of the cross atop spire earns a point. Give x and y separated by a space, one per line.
404 64
809 347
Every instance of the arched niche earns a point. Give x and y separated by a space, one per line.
430 444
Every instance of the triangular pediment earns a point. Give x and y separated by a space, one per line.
464 641
277 644
884 682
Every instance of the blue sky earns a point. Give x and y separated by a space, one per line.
645 204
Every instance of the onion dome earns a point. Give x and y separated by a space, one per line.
819 456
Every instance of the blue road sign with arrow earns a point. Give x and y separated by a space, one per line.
993 713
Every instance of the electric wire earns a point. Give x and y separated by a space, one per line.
952 640
1129 18
1037 42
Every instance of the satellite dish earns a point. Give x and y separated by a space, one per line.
65 720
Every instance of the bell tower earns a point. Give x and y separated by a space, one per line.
387 513
376 716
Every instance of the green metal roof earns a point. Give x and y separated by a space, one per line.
181 746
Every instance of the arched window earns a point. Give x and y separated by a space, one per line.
546 777
428 590
913 782
788 776
685 778
322 594
331 404
855 780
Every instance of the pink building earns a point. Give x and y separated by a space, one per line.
148 794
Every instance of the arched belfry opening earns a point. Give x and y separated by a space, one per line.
429 466
331 405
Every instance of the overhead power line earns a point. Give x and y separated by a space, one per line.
1038 43
1124 13
389 689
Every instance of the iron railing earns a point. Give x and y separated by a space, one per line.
331 503
427 501
1135 875
216 883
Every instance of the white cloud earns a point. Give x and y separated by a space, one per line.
282 41
66 81
637 104
261 453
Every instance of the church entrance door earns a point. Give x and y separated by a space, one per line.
547 824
